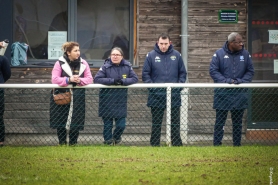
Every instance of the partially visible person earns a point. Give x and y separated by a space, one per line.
113 101
5 74
230 64
21 24
120 41
164 65
70 69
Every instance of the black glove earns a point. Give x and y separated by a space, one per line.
118 82
234 81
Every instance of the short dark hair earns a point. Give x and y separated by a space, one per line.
164 36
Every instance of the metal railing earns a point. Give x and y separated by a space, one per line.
27 114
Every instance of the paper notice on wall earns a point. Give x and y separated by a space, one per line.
55 41
273 36
275 67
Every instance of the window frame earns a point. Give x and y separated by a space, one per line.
249 41
8 22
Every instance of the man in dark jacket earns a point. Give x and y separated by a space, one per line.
5 74
164 65
231 64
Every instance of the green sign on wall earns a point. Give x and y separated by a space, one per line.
227 16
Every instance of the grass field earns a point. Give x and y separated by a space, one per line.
139 165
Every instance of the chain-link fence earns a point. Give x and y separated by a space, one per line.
142 114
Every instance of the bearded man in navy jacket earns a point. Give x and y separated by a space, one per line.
164 65
231 64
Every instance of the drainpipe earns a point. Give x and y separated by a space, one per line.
184 53
184 32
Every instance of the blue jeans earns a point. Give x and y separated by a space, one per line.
221 116
108 126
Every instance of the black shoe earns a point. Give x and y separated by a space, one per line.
109 142
62 143
72 144
217 144
177 145
117 141
237 144
155 145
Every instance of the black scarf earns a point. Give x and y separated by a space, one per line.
74 65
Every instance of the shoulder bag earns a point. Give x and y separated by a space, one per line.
62 98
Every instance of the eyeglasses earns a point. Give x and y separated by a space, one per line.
116 55
238 42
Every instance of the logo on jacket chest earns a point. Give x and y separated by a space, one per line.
241 58
157 59
173 57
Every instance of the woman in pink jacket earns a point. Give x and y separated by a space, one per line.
70 69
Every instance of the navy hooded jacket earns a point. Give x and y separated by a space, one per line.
160 67
226 66
5 69
113 102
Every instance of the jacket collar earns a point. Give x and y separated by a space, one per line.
170 49
226 49
65 66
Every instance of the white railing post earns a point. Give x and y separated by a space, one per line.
184 115
168 116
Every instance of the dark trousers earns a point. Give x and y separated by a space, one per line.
2 109
62 136
108 126
157 118
221 117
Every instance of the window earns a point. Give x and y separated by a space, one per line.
101 27
32 21
263 39
96 25
263 45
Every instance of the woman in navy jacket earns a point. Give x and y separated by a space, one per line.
113 101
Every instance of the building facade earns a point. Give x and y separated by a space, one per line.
134 25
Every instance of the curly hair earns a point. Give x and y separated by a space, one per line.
68 46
